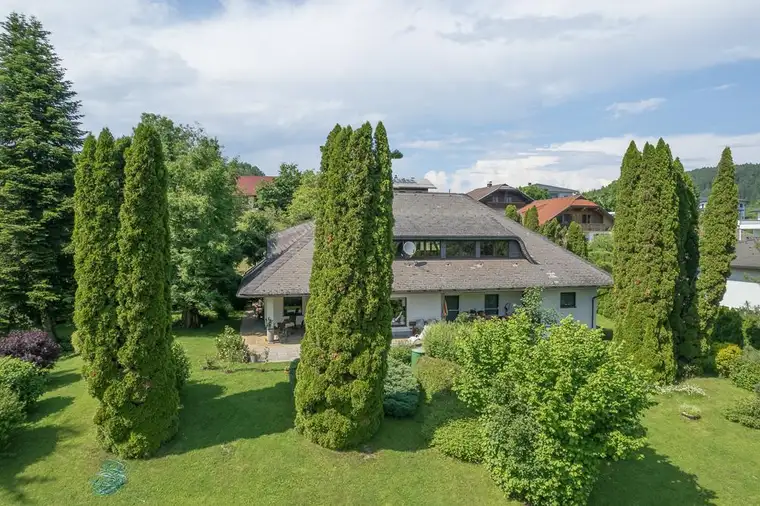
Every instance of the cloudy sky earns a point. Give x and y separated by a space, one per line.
512 91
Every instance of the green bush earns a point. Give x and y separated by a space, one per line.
746 412
12 414
440 409
401 352
439 340
23 378
230 346
746 371
292 369
728 326
401 391
181 364
461 438
726 358
436 375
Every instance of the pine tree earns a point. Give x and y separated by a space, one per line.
530 219
653 269
96 211
552 230
39 132
717 248
576 240
140 407
625 226
343 355
511 212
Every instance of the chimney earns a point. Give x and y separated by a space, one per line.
489 184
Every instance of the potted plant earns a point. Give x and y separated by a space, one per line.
270 330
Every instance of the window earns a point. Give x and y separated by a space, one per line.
422 249
492 304
585 218
451 307
460 249
566 300
495 198
398 307
566 219
493 248
514 250
292 306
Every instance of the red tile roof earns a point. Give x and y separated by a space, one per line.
248 184
550 208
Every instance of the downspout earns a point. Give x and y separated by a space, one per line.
593 311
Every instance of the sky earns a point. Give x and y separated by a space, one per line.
508 91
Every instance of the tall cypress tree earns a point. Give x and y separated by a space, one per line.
343 354
576 240
140 407
552 230
530 219
39 132
511 212
717 248
653 269
96 207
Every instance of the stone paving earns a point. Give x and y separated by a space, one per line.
255 335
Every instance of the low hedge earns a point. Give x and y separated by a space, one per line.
460 438
12 414
181 364
436 375
746 374
401 352
746 411
401 391
439 340
726 358
23 378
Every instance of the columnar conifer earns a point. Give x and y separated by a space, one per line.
343 355
530 219
625 226
576 240
552 230
511 212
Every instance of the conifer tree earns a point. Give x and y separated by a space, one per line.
511 212
343 355
576 240
530 219
552 230
140 407
625 225
39 132
653 269
717 247
96 224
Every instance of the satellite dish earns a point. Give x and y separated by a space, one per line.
409 248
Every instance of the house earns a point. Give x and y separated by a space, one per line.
592 218
247 185
743 285
748 229
500 196
465 257
555 192
742 206
412 185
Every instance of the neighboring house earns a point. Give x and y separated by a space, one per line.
555 192
748 229
743 286
412 185
467 257
500 196
742 206
592 218
248 184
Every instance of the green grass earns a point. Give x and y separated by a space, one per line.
237 445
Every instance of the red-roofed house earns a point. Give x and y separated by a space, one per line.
248 184
592 218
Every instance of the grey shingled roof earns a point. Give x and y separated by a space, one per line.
437 215
481 193
747 255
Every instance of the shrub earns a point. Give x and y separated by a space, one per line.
681 388
726 358
746 373
436 375
11 414
728 326
440 409
746 412
691 411
230 346
181 364
401 391
440 340
33 346
460 438
23 378
292 368
401 352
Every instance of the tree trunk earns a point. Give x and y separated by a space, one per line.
191 318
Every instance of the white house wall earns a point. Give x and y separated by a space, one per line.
273 308
584 300
741 290
422 306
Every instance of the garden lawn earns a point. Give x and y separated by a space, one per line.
237 445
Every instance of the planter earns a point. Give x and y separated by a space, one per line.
690 416
270 335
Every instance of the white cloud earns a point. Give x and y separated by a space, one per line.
644 105
434 144
723 87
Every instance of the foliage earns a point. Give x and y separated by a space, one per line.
745 372
98 197
461 438
230 346
511 212
535 192
746 412
576 240
691 411
339 395
181 364
601 251
751 326
23 378
253 229
306 199
726 359
552 231
39 132
747 179
606 196
401 352
561 405
718 244
728 326
440 340
278 194
401 391
436 375
12 414
532 304
35 346
530 219
241 168
681 388
139 408
292 376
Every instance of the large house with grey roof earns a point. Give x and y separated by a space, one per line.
743 285
454 254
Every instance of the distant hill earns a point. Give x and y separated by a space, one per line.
747 177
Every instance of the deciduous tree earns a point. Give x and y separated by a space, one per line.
279 193
535 192
511 212
530 219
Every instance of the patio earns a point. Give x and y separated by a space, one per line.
254 334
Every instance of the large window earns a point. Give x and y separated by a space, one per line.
567 300
398 306
492 304
422 249
460 249
493 248
451 307
292 306
514 250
